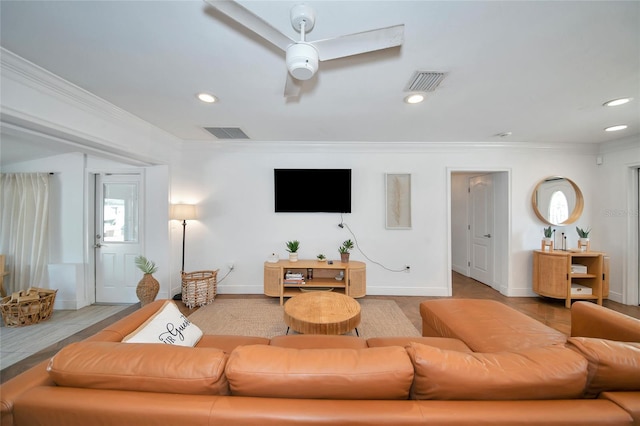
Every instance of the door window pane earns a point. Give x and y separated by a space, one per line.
120 212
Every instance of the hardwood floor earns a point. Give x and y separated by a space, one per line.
551 312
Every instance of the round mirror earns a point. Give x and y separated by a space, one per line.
557 201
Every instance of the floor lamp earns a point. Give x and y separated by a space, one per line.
183 212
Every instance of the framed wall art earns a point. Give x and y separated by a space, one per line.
398 200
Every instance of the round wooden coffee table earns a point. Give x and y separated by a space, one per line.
322 312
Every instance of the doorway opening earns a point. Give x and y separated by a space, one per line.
479 226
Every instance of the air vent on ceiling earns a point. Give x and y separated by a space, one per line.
424 81
227 132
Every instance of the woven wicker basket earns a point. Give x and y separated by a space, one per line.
16 313
199 288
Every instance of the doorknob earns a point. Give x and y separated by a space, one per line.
97 245
487 235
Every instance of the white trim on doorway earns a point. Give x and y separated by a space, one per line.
502 249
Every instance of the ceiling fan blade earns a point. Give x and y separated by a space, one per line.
355 44
292 87
252 22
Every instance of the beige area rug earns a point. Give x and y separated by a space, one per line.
17 343
264 318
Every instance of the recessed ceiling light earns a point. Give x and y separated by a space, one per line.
415 98
503 134
205 97
616 102
616 128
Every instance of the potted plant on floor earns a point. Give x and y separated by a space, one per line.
344 250
292 248
148 287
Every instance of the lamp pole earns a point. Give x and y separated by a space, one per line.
184 229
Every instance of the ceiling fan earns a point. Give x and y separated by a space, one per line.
302 56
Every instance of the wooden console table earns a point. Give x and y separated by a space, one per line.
552 274
353 284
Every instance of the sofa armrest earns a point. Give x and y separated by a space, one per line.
13 388
591 320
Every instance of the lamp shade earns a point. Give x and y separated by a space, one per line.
183 212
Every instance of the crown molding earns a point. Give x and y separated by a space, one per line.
387 147
24 72
29 74
631 142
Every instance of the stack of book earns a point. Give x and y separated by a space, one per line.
294 278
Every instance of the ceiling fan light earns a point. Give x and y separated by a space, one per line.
302 61
616 128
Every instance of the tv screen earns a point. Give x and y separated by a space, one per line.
312 190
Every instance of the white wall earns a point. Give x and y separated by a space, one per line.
232 183
615 218
459 222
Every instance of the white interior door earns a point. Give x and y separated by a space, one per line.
118 237
481 228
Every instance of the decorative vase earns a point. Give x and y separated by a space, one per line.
147 289
293 257
344 257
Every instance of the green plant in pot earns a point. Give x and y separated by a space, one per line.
148 287
344 250
292 248
583 243
321 257
582 233
548 232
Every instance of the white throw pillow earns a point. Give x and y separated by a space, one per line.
168 326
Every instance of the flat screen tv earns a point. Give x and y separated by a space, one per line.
312 190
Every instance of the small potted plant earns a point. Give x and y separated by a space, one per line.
547 244
321 257
583 242
148 287
292 248
582 233
344 250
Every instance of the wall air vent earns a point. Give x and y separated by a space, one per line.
424 81
227 132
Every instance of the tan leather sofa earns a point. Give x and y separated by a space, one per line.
341 380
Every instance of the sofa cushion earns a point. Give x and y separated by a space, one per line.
168 325
140 367
613 365
438 342
486 325
228 342
271 371
552 372
318 341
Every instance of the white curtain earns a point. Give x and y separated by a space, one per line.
24 230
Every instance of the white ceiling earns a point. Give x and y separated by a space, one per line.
538 69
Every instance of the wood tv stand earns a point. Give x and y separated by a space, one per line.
353 284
